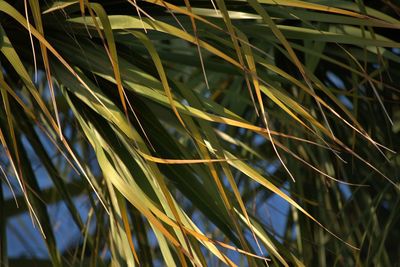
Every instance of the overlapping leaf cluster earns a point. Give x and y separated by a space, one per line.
179 120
